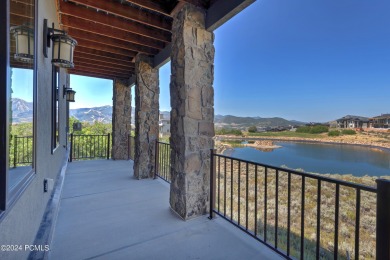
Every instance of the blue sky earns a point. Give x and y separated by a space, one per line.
304 60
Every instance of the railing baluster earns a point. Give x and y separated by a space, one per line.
246 196
15 149
231 189
224 188
71 147
276 206
239 191
303 218
212 175
336 226
255 200
318 240
219 181
156 158
165 160
265 202
357 224
288 212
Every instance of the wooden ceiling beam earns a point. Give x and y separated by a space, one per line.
104 60
100 65
105 48
89 74
116 22
101 71
21 9
140 43
128 12
26 2
90 36
107 56
16 19
151 5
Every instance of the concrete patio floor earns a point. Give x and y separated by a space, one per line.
106 214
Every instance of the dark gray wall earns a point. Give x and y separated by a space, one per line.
21 222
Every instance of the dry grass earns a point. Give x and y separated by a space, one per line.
245 203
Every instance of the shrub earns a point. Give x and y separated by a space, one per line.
303 129
252 129
225 131
317 129
334 133
348 132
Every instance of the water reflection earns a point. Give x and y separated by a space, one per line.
322 158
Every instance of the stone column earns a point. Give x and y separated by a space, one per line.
146 116
121 119
192 115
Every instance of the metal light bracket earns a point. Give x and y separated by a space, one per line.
47 34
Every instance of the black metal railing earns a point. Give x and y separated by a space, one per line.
131 147
21 150
89 147
163 161
301 215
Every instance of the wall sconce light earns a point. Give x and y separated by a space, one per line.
69 93
63 46
24 38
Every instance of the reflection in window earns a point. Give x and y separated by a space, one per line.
55 98
22 91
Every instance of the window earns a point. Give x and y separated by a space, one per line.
55 99
18 98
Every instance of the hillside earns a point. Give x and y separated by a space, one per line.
22 112
244 122
99 114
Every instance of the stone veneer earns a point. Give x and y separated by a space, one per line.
146 116
192 115
121 119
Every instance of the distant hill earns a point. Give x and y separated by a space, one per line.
22 112
244 122
100 114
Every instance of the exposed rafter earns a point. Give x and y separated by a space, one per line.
79 34
110 33
102 47
100 71
106 56
105 30
151 5
105 60
128 12
118 23
101 65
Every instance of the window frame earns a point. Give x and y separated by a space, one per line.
9 197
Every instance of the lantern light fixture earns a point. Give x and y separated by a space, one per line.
63 46
24 39
69 93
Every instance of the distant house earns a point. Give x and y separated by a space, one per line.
164 126
353 122
382 121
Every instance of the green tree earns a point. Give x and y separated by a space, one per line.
252 129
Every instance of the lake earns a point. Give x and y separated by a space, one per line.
321 158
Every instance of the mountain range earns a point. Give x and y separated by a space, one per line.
22 112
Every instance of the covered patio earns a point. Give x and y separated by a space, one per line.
105 213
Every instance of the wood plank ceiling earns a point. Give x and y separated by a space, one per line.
110 33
